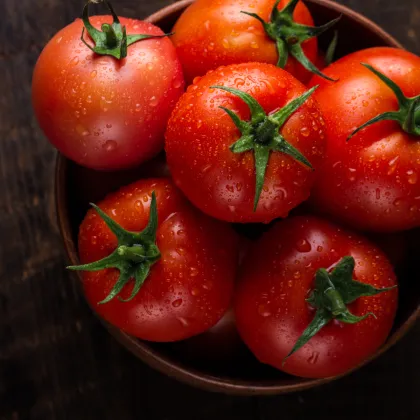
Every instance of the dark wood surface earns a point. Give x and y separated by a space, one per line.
56 360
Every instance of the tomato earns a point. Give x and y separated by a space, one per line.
371 181
212 160
176 278
212 33
285 269
103 112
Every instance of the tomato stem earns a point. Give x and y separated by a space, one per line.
289 35
408 116
113 39
134 255
261 134
332 293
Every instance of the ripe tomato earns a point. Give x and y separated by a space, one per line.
218 172
212 33
271 307
371 181
185 283
102 112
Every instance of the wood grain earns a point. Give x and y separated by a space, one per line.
56 361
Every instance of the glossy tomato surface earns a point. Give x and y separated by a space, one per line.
373 180
222 183
188 290
101 112
213 33
278 275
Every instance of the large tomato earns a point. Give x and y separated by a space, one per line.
178 272
297 284
371 181
212 33
100 111
253 170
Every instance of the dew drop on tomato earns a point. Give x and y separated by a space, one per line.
109 145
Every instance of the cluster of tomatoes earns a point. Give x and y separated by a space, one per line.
260 130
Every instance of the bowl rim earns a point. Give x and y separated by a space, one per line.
155 358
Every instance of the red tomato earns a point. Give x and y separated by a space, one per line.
222 181
212 33
270 300
102 112
371 181
189 287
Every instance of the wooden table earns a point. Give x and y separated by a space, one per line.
56 360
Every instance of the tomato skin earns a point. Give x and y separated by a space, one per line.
371 182
212 33
188 290
100 112
222 183
270 307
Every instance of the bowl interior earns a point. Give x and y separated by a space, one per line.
242 374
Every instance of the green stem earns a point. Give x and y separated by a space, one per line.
408 114
134 255
113 39
261 134
289 35
332 293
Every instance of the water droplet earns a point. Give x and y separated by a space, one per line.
93 74
193 272
413 209
365 103
254 45
149 66
195 291
139 205
177 84
74 61
211 46
313 358
412 177
398 202
180 251
183 321
225 43
296 275
180 232
378 194
303 245
177 303
89 99
82 131
109 126
138 107
109 145
230 188
232 209
207 285
59 39
320 248
264 311
393 165
351 174
281 192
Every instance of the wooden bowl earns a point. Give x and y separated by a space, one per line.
77 186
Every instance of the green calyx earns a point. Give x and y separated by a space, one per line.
261 134
332 293
408 116
133 257
113 39
289 35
